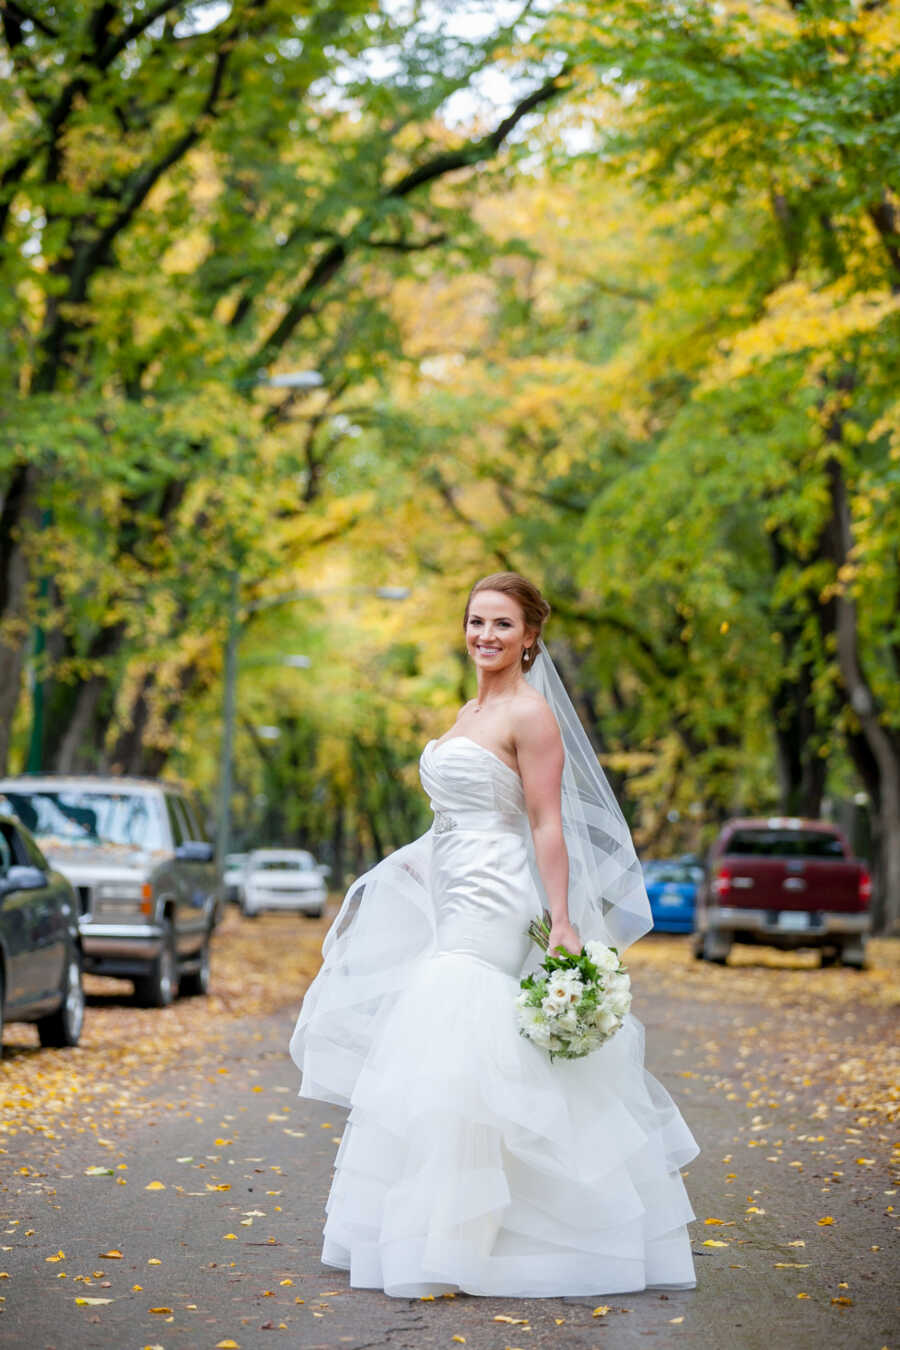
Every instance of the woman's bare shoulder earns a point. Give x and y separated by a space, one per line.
532 719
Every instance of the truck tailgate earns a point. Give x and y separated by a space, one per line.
796 883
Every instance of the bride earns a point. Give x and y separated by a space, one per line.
471 1161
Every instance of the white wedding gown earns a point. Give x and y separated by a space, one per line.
470 1161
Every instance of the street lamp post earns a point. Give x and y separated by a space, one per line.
229 699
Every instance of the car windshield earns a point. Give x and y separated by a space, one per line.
776 843
87 816
294 862
678 873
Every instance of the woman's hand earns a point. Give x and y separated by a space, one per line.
562 934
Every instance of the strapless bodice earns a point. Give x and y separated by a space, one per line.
481 880
465 779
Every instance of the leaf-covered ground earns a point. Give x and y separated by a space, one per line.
208 1176
823 1040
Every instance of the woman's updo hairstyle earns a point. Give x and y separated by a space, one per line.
535 610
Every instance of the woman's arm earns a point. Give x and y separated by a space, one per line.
539 751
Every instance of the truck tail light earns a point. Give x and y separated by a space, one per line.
865 886
722 881
147 898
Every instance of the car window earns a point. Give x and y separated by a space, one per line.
5 854
775 843
669 873
85 816
176 823
14 845
297 862
190 819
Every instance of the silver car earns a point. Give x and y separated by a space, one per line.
283 878
144 875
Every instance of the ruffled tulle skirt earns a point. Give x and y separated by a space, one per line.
472 1162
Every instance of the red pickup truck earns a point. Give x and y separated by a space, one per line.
785 883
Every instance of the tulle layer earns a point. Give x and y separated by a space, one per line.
471 1162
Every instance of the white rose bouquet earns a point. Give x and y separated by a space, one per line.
573 1004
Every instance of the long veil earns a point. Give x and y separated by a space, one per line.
607 897
387 921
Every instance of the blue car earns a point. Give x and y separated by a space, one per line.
672 888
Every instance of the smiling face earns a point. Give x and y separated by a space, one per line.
496 632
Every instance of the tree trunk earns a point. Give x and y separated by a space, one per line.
882 742
14 623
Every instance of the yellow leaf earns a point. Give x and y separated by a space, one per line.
153 1261
823 1223
797 1243
460 1340
229 1237
713 1242
803 1295
223 1143
165 1311
137 1288
113 1255
843 1301
710 1221
224 1186
60 1256
286 1281
227 1345
601 1311
866 1162
98 1302
155 1186
675 1321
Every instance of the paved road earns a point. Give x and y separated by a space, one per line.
219 1216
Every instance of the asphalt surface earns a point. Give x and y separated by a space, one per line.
218 1222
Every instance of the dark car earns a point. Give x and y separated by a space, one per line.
40 944
672 890
148 891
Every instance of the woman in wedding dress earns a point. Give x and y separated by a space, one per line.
470 1161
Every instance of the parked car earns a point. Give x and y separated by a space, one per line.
786 883
672 890
231 877
283 878
147 888
40 943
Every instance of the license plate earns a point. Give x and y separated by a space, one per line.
793 920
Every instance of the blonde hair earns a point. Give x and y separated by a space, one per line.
535 610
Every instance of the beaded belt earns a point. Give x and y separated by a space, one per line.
486 822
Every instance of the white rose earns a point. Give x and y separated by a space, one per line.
605 1021
619 1002
603 957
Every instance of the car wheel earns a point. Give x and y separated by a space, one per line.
830 956
697 946
247 910
853 954
63 1027
159 987
314 913
197 981
716 946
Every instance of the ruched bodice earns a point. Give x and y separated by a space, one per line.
480 873
460 774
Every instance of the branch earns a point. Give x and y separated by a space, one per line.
333 259
884 218
406 245
20 14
